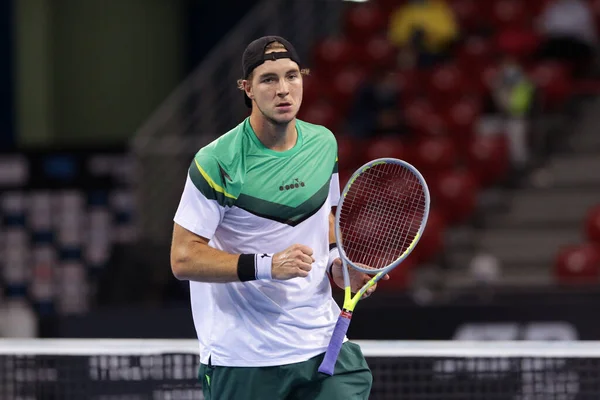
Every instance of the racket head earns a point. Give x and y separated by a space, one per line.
381 215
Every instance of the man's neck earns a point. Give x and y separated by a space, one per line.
274 137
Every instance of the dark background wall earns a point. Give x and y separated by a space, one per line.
6 76
68 59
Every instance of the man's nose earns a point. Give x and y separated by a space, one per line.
283 88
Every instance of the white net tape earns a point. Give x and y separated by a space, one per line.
425 370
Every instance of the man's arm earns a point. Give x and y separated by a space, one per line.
332 227
193 259
333 253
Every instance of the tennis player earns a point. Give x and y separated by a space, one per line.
254 236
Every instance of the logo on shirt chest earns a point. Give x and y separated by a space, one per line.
294 184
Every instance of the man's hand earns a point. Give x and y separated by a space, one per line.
293 262
357 278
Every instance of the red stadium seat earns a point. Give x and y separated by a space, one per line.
554 81
592 225
475 53
468 13
510 14
578 264
484 78
421 117
432 242
399 277
415 109
517 42
434 154
536 7
344 175
321 112
386 146
461 116
345 86
313 89
388 6
445 84
349 150
379 53
411 84
433 125
595 6
331 54
487 156
362 21
455 194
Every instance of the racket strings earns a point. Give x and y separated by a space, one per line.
381 214
407 220
415 202
386 213
364 252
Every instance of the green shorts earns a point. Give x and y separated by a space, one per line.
351 380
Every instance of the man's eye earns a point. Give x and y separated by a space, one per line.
268 80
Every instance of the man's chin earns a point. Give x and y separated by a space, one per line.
283 119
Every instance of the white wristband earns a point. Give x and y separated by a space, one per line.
333 254
263 264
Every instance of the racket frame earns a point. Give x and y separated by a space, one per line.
328 364
417 237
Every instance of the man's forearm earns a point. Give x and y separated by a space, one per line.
331 228
202 263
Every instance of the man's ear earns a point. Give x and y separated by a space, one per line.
248 88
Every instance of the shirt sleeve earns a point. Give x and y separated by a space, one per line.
198 214
204 199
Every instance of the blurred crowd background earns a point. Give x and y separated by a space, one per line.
105 103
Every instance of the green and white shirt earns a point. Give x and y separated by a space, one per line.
246 198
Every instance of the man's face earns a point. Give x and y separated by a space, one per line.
276 88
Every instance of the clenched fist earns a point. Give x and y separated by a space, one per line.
295 261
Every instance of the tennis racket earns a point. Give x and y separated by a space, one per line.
380 217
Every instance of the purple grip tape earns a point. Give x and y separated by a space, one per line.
335 344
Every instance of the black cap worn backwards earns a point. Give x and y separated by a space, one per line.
254 55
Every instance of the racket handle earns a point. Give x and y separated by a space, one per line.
335 344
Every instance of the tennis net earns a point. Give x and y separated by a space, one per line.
65 369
